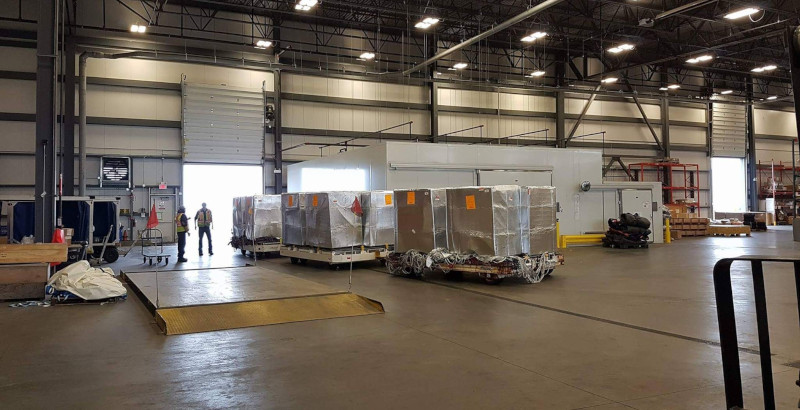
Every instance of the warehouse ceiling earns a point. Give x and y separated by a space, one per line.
645 44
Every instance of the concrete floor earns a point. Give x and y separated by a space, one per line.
610 330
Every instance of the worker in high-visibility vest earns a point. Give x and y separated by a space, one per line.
203 222
182 228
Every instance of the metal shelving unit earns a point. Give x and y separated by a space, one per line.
679 182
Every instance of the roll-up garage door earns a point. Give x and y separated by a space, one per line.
223 124
728 130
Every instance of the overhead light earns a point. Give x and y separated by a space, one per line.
663 89
305 5
726 92
765 68
533 37
609 80
136 28
674 86
262 44
700 59
366 56
741 13
772 97
620 48
427 22
459 66
537 73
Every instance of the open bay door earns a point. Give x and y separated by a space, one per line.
222 125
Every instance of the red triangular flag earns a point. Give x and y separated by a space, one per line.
356 208
152 221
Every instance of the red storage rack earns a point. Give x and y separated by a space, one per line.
679 181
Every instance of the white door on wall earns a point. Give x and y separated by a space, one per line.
222 125
526 178
165 211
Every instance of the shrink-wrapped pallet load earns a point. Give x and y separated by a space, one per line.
485 220
264 218
539 206
294 219
421 219
333 219
378 208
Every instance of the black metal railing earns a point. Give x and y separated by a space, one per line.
727 326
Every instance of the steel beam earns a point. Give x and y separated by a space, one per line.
752 184
647 122
434 87
583 114
560 120
45 122
665 142
278 135
68 135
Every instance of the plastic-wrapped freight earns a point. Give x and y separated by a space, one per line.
239 222
485 220
294 219
265 218
378 207
421 219
539 208
333 219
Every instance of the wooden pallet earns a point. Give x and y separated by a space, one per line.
728 230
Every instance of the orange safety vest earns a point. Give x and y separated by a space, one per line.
180 227
203 218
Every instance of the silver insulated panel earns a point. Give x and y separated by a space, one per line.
265 218
485 220
421 216
378 207
331 222
294 219
540 205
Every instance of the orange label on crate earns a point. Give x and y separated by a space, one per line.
411 199
388 199
314 201
291 200
470 201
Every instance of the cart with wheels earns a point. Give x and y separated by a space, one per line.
153 247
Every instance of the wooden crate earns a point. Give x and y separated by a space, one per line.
23 281
729 230
33 253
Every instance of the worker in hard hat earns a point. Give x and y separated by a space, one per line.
203 223
182 228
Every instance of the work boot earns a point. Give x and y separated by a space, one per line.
210 253
183 260
201 253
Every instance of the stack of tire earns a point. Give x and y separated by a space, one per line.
629 231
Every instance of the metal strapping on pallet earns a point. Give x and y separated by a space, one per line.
588 239
206 318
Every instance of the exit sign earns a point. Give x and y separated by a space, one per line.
162 185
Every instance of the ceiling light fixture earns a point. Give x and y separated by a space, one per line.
772 97
427 22
674 86
764 68
263 44
700 59
366 56
609 80
305 5
726 92
537 73
136 28
534 36
663 89
620 48
459 66
741 13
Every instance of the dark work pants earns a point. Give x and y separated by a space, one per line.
181 244
204 230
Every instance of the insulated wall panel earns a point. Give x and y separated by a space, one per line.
728 130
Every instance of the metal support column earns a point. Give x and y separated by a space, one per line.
750 149
45 122
68 138
583 115
560 120
278 135
434 112
665 144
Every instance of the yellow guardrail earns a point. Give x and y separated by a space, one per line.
588 239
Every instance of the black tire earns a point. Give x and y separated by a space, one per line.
111 255
144 259
454 275
151 262
303 261
244 252
334 266
294 260
492 281
166 261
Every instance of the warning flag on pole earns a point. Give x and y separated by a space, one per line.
152 221
356 207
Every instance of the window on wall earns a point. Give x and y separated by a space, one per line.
728 185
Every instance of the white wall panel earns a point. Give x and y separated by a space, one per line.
126 102
468 98
521 102
17 136
345 88
16 170
125 140
18 59
687 135
321 116
687 114
612 108
495 126
615 131
773 150
775 122
18 96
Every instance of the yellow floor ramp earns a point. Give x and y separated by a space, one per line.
235 315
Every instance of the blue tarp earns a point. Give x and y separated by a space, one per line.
105 217
24 221
75 215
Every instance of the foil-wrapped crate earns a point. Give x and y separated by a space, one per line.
485 220
421 219
378 208
294 219
540 204
265 218
239 221
334 220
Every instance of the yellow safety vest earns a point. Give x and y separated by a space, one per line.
203 218
180 227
